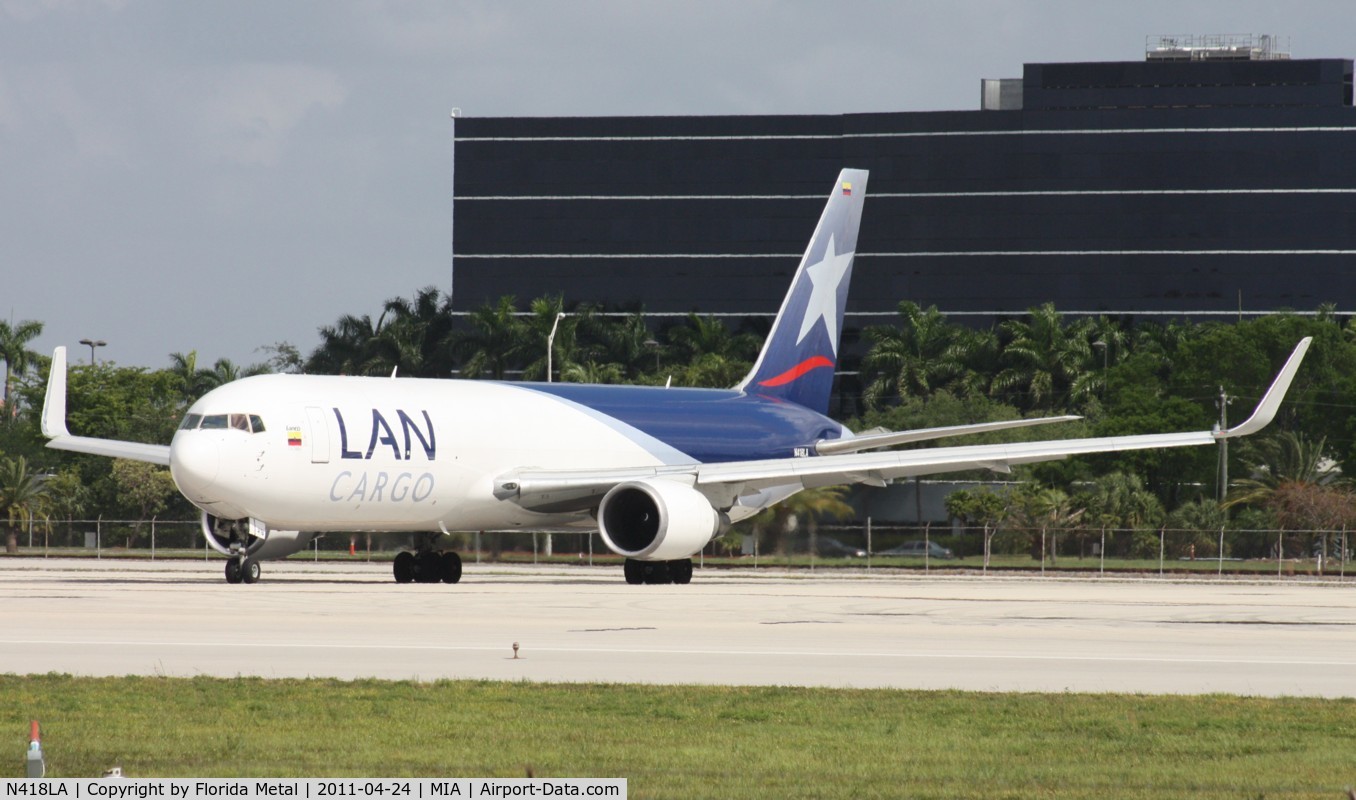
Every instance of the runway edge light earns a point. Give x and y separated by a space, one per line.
36 767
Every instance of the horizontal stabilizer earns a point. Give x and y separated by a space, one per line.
873 441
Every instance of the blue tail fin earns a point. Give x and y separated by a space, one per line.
800 354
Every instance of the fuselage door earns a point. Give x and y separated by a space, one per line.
320 435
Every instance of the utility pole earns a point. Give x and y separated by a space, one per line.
1223 473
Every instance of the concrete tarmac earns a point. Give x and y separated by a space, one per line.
728 627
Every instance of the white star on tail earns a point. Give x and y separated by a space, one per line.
825 278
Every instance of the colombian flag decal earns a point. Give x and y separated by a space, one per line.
294 437
847 189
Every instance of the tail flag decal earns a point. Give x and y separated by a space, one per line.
804 337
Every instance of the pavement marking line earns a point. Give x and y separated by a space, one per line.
676 652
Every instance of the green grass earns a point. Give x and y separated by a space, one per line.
683 742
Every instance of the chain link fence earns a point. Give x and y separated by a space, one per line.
928 547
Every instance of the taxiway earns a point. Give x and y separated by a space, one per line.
877 629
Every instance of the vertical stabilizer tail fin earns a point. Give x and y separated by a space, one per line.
799 357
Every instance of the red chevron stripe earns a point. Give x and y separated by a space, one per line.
797 371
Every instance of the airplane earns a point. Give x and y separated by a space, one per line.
273 460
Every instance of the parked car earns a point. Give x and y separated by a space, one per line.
918 550
835 548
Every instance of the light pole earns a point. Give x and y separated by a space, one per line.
550 343
550 349
93 343
653 344
1101 345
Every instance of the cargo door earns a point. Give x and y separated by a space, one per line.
320 435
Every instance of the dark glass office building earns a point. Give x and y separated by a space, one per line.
1199 181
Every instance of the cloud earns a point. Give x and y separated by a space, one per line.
49 111
25 10
250 111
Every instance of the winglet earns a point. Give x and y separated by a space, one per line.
1271 401
54 407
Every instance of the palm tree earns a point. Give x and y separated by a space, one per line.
1045 358
413 336
1050 512
1287 476
185 367
705 353
1274 461
14 351
345 347
1164 341
916 358
700 335
1119 500
494 342
592 372
711 370
546 314
1193 526
23 499
1108 338
629 344
225 371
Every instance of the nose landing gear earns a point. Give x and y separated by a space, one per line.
242 569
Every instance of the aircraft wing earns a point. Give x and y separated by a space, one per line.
873 441
54 425
571 490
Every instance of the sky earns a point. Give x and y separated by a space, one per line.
222 177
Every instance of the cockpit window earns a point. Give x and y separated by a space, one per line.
249 423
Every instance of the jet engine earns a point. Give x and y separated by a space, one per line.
657 520
251 537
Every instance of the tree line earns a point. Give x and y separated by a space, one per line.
1120 375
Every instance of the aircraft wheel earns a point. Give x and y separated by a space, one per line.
657 572
250 571
634 571
428 567
404 567
232 571
681 570
451 567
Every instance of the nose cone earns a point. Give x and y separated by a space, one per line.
195 460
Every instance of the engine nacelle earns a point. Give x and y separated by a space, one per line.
252 537
657 520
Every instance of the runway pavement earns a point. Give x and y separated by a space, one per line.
882 629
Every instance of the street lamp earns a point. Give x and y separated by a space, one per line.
1100 344
550 343
93 343
653 344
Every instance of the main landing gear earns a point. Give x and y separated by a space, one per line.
242 569
678 571
427 566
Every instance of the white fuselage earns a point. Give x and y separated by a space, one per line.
359 454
